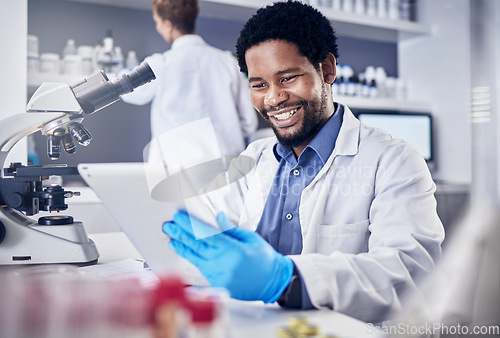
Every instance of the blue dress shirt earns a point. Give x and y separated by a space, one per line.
280 223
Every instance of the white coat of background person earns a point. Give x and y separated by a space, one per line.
195 81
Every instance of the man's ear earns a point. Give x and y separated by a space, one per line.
329 68
168 24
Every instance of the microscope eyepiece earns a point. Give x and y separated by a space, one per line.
98 91
140 75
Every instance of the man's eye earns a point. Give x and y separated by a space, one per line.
258 85
288 78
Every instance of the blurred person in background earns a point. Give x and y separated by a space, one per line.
195 81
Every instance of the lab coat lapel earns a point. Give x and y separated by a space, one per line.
259 185
314 196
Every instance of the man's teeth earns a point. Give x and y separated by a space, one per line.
286 115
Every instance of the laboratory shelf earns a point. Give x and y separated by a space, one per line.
345 24
36 79
374 28
384 104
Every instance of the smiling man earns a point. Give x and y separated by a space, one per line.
288 92
333 213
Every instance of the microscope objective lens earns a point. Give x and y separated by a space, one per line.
53 147
80 134
68 144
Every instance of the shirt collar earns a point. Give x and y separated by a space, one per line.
188 39
323 143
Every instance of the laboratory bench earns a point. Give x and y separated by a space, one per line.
245 319
119 258
120 262
452 202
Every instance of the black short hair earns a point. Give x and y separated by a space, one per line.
291 21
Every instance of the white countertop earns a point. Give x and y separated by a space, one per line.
246 319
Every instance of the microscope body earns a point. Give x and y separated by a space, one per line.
22 239
56 110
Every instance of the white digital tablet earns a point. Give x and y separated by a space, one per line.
126 190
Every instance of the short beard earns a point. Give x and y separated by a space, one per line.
314 113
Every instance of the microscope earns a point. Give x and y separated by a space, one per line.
57 110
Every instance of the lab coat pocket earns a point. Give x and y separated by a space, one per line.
347 238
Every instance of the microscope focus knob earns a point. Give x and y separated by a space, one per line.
56 220
15 200
2 232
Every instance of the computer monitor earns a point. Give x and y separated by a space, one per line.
414 128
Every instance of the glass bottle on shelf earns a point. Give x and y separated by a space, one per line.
105 54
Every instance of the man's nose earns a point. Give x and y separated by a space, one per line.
275 96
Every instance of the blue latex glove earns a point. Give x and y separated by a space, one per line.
236 259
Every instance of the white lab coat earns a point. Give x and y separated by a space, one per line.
194 81
369 224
